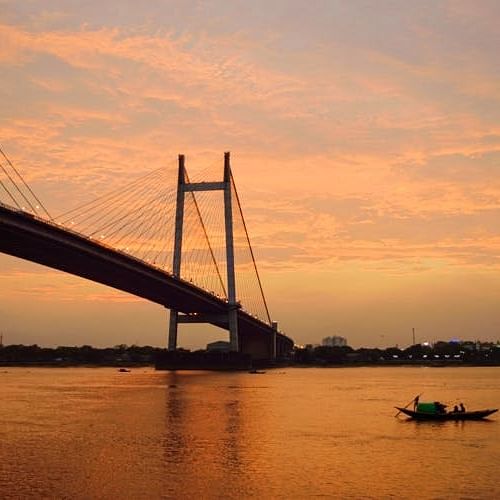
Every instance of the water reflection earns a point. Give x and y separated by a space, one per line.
203 431
175 443
96 434
232 433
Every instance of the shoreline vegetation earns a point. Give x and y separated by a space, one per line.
438 354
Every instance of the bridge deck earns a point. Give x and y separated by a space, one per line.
28 237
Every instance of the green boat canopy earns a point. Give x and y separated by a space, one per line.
427 407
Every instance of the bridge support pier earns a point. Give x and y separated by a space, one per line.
172 330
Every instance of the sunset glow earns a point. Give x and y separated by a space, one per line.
365 143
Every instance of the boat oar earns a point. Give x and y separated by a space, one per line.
409 404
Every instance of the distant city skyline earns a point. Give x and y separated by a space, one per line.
365 144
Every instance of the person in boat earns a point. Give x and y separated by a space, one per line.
440 407
462 408
415 403
455 409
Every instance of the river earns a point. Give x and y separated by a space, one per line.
85 433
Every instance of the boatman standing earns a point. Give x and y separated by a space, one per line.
415 403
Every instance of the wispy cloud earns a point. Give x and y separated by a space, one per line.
364 136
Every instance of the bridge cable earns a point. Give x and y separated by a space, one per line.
207 216
108 196
121 197
109 211
138 221
134 211
164 238
206 236
250 247
25 184
153 222
194 247
215 210
17 188
199 264
10 195
137 230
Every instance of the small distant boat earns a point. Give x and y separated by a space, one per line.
256 372
124 370
450 415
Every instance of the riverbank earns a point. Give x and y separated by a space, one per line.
214 366
440 354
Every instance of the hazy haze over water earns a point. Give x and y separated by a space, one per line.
292 433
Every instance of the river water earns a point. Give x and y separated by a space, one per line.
84 433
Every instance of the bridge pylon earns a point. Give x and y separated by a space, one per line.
230 320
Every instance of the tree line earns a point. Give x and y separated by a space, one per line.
86 354
439 353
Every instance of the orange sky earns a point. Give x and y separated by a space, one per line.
365 140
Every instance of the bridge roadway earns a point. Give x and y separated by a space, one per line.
32 238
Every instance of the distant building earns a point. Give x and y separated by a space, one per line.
218 345
334 341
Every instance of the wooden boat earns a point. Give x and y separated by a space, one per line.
451 415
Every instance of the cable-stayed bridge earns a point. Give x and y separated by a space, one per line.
179 242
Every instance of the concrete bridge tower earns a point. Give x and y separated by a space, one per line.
231 319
